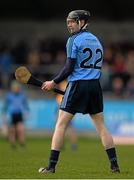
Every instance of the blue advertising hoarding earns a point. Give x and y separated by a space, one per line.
119 117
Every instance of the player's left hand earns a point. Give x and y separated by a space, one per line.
48 85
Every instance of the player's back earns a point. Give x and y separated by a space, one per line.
88 51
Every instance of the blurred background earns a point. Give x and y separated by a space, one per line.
33 33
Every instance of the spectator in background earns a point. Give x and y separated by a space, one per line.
60 57
129 63
108 55
118 87
46 57
118 66
6 62
130 88
33 61
14 108
20 52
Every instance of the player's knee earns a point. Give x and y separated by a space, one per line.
61 125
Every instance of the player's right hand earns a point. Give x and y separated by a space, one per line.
48 85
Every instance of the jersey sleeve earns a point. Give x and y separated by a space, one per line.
71 48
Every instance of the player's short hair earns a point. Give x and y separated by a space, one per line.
79 15
15 85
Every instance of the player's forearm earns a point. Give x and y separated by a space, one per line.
66 71
62 75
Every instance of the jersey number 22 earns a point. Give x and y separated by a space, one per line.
95 66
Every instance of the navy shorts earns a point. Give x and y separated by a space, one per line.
16 118
83 96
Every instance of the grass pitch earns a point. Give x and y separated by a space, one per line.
88 162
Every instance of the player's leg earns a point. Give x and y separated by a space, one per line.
12 132
20 130
106 139
62 122
12 136
57 140
72 136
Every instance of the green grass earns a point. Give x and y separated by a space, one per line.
88 162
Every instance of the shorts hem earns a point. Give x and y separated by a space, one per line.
68 110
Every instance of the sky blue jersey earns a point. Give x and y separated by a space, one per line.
88 52
16 103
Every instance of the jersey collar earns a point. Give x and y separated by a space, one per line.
83 30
